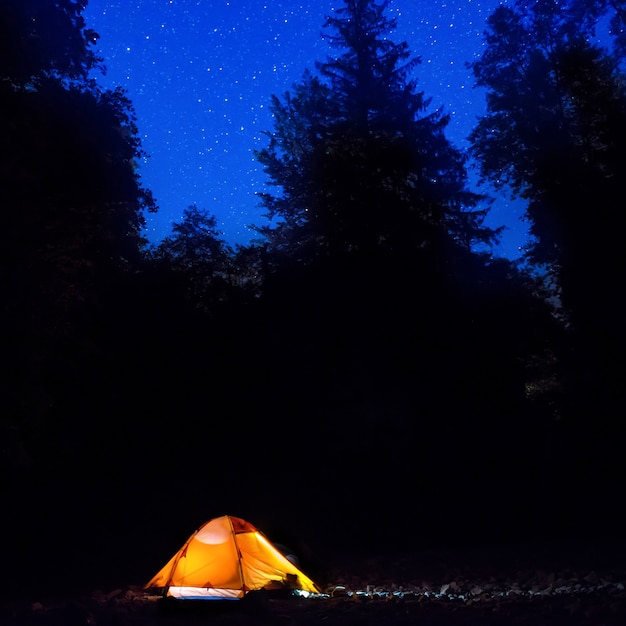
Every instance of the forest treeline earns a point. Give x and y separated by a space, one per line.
366 355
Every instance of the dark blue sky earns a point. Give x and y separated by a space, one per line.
200 74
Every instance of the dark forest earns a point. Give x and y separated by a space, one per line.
366 374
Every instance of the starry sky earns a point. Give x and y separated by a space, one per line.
200 74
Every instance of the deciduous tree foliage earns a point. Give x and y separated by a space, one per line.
555 131
42 37
72 203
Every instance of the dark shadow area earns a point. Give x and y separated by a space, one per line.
363 380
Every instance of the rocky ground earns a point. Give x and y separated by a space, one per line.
525 585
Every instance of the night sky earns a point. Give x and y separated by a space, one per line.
200 74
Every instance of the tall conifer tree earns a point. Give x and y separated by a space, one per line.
363 167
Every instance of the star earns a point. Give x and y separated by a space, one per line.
201 76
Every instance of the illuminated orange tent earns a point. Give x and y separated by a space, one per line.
226 558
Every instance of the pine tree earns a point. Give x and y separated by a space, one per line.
378 314
198 258
364 169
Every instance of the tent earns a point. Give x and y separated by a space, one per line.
225 559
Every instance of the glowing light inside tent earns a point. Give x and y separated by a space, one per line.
214 533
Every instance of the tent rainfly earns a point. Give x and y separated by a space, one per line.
225 559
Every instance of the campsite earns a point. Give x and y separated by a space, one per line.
506 587
364 415
254 582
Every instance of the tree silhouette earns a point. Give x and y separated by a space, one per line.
363 169
409 351
73 210
555 131
198 257
45 39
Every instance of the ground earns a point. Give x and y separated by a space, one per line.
505 585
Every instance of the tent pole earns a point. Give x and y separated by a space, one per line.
181 553
239 557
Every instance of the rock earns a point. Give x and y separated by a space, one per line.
113 594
